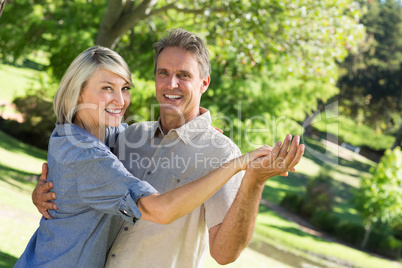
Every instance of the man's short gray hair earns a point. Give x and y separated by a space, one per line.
189 42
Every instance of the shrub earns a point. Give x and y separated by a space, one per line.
292 202
390 247
319 196
350 232
326 221
39 119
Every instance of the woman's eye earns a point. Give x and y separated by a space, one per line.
126 88
107 88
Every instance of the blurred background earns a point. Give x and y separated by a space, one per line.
329 71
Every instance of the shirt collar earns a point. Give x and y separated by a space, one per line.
191 129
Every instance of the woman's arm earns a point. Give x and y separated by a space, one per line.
172 205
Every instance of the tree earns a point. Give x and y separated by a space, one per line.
370 87
280 56
244 36
2 6
379 198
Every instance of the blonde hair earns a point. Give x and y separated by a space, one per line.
78 74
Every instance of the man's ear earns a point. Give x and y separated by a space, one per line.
205 84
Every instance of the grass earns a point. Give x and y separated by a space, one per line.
15 80
283 232
19 164
351 132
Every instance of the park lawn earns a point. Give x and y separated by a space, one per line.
351 132
287 234
19 164
14 81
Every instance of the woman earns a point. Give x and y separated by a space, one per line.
94 189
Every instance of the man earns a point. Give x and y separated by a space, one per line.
181 147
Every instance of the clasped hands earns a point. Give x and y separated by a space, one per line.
267 162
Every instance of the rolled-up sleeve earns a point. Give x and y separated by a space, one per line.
104 184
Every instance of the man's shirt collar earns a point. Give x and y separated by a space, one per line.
188 131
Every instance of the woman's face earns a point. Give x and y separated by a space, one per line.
103 100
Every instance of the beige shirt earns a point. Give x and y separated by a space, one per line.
166 162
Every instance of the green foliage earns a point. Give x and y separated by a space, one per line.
39 118
319 196
298 38
370 87
143 105
379 198
350 232
284 37
391 247
61 28
292 202
326 221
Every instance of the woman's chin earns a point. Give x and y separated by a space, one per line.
113 122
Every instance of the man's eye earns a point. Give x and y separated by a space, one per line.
184 75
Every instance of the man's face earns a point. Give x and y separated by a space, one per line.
178 83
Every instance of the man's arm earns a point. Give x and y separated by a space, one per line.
41 194
228 239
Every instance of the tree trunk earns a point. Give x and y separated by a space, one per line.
366 235
107 38
121 16
2 6
398 138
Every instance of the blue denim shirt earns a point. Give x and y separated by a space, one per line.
94 191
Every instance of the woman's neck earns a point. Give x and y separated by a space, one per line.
97 131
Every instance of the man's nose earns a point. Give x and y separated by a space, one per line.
172 82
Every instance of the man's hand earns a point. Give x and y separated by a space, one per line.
41 194
278 162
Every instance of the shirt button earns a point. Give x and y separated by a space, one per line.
149 172
126 228
113 255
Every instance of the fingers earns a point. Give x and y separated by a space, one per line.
220 130
276 149
41 194
298 156
292 151
262 151
45 170
45 214
285 146
46 187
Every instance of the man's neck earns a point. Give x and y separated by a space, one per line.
174 121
